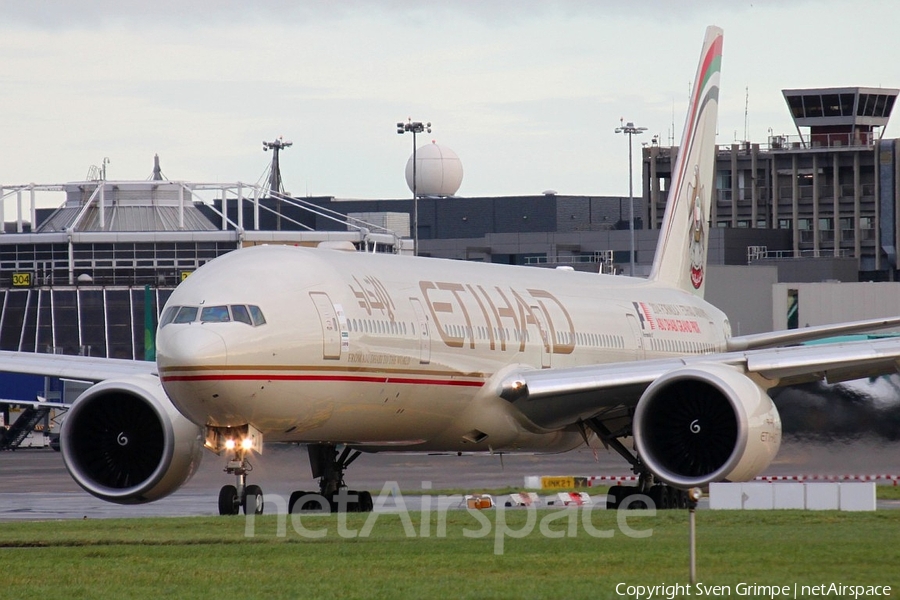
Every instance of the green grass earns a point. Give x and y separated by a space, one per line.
887 492
215 558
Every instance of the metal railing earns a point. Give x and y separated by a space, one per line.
826 191
604 257
859 139
757 253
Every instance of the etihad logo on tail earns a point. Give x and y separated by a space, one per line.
698 221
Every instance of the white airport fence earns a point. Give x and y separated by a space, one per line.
763 495
550 482
893 479
849 492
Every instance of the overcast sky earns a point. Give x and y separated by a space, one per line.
527 93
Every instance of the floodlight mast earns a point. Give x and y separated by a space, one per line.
414 127
629 129
275 183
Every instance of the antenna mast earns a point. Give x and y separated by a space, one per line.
747 114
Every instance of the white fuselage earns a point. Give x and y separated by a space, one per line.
401 352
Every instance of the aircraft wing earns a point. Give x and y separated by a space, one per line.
35 403
553 398
805 334
80 368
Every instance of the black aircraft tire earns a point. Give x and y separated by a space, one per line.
228 501
253 500
292 502
614 496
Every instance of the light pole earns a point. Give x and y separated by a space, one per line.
276 187
694 495
275 183
414 127
629 129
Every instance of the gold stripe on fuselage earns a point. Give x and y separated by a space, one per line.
322 368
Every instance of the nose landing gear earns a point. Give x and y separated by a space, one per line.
238 442
232 498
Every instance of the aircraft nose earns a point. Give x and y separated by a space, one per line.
190 347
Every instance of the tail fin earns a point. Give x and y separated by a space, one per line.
680 259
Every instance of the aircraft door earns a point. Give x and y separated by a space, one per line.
331 329
422 331
636 335
544 342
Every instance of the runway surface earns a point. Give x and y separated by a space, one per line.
34 484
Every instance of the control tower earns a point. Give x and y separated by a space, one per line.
840 116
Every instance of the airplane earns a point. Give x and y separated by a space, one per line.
349 352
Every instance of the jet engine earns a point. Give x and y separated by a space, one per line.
124 441
706 423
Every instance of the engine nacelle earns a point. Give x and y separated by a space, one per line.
124 441
706 423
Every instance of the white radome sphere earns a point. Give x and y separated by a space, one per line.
439 171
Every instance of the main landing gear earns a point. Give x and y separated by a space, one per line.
232 498
660 495
333 496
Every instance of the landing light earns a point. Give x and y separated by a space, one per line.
239 438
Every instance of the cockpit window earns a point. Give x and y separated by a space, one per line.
168 315
186 314
239 313
256 313
242 313
214 314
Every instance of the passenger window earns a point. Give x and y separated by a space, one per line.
186 314
257 315
168 315
239 313
214 314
